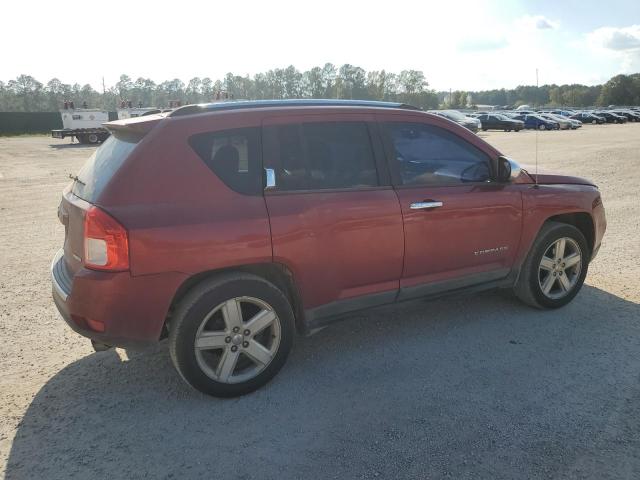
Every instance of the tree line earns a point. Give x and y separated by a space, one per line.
621 90
25 93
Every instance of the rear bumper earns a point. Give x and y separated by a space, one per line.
60 133
113 308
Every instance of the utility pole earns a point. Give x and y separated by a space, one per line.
104 92
537 90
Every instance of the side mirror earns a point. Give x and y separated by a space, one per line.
508 169
504 169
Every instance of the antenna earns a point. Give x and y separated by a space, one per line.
537 101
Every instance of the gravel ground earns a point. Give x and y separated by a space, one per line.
476 387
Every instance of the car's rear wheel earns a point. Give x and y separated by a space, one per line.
542 126
555 268
231 335
594 122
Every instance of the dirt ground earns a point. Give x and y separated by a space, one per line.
479 387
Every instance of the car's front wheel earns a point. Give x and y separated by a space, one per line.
542 126
555 268
231 335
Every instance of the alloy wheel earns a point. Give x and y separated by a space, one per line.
560 268
237 340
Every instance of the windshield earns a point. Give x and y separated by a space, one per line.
453 115
100 168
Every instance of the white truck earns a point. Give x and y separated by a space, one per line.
85 124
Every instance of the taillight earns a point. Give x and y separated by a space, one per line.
106 243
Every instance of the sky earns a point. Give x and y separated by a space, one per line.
460 45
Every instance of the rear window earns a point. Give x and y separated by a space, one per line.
317 156
101 166
233 155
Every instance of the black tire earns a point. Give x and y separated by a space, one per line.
528 287
542 126
201 300
93 138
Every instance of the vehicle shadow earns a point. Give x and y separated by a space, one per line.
476 387
63 146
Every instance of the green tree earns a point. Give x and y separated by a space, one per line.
619 91
27 91
124 87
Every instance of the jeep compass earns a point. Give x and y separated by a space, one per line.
229 228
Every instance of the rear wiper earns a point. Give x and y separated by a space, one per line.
76 179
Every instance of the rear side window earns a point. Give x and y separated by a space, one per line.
233 155
319 156
428 155
101 166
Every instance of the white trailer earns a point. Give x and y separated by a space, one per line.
84 124
132 112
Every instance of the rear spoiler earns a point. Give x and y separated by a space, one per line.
136 126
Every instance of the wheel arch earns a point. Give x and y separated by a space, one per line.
273 272
582 221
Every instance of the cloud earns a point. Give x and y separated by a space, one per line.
538 22
618 39
622 43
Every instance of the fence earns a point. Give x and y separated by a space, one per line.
17 123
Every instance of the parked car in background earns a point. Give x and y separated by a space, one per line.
563 122
229 227
587 117
611 117
536 122
630 115
575 124
497 121
524 112
467 122
564 113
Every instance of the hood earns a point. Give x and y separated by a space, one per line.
545 178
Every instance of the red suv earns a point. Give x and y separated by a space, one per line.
230 227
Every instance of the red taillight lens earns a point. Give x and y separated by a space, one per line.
106 243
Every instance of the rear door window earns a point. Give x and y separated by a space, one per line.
101 167
319 156
234 156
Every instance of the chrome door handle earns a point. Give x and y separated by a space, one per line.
270 177
425 205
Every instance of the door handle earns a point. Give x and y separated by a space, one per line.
425 205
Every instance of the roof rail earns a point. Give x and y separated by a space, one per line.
316 102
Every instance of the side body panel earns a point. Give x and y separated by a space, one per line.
542 202
180 216
476 231
472 238
339 244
